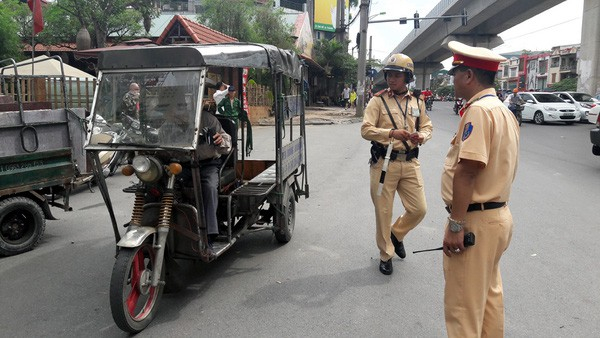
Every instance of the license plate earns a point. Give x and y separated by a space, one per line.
568 114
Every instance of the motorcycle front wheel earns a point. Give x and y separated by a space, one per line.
133 300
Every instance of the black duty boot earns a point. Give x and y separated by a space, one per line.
398 247
386 267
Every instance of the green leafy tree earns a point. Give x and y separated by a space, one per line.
268 27
105 17
231 17
445 91
10 43
247 21
334 57
565 85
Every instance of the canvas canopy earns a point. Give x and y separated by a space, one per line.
236 55
44 66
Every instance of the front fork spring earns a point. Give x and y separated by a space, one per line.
166 209
138 209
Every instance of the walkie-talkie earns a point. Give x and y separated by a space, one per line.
468 241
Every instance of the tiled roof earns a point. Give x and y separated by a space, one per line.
198 32
65 47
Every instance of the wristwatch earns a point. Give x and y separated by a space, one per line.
454 225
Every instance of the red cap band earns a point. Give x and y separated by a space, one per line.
460 59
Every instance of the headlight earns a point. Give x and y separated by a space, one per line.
147 169
549 108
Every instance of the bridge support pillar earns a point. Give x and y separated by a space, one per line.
588 66
422 73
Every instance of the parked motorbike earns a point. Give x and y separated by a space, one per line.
458 104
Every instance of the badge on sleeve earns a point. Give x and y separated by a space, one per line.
415 112
467 131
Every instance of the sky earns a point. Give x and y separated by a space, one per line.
559 25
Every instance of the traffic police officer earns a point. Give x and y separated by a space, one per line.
478 173
395 120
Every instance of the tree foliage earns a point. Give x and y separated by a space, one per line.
333 55
10 44
247 21
101 17
565 85
264 25
231 17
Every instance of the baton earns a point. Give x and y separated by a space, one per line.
386 162
469 241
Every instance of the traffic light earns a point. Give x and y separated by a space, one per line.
464 18
416 20
358 39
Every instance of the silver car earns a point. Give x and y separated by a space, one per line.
582 101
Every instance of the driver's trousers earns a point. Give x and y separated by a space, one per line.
404 178
209 179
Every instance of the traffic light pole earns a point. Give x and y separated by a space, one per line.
362 55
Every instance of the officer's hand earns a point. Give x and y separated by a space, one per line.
454 242
401 134
218 139
416 138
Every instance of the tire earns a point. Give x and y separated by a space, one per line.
286 219
22 225
520 118
115 161
538 117
127 291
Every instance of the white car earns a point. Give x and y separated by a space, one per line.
582 101
593 114
542 107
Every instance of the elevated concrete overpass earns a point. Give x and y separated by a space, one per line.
486 19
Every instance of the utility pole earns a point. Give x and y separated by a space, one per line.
362 54
340 29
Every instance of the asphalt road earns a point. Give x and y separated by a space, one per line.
325 282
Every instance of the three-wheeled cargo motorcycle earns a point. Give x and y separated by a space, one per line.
168 221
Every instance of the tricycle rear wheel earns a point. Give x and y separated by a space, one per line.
285 217
22 225
133 300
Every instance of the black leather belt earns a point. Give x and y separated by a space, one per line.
481 206
404 155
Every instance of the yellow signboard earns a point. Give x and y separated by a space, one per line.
326 14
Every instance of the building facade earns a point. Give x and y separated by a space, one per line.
538 70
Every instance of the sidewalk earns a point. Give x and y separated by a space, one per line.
322 115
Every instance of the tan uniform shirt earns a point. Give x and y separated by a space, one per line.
376 124
488 133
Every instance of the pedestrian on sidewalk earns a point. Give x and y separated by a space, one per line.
396 120
478 173
353 98
345 96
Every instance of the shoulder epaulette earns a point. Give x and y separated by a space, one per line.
379 93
